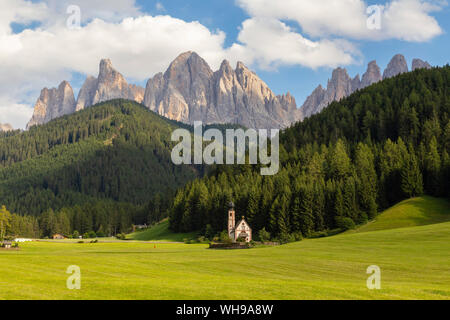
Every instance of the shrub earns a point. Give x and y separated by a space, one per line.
209 232
297 236
121 236
92 235
319 234
363 218
76 234
345 223
224 238
264 236
100 234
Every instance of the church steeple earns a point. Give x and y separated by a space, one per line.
231 221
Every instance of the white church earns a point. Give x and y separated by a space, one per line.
241 230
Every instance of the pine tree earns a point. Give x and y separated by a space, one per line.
339 162
368 180
306 211
432 169
411 178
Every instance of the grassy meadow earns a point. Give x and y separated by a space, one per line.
409 213
161 232
414 264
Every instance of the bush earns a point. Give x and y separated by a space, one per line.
264 236
201 239
100 234
297 236
76 234
224 238
209 232
286 238
363 218
121 236
92 235
319 234
345 223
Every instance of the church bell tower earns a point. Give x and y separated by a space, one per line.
231 221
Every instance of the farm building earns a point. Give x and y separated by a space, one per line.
58 236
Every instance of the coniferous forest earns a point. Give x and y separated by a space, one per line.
383 144
100 170
108 167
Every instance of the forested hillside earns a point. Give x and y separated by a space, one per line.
383 144
99 170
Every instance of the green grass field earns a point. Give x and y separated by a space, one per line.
160 232
414 264
409 213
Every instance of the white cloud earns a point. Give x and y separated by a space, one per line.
138 46
401 19
141 45
271 43
15 114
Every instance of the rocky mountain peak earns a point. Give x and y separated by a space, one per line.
53 103
6 127
190 91
109 85
395 67
313 101
188 62
106 66
340 85
420 64
372 75
356 83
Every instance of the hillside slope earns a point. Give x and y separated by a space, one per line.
161 232
409 213
117 150
359 156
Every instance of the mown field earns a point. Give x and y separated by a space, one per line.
160 232
409 213
414 264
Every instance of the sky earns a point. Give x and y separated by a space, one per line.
293 45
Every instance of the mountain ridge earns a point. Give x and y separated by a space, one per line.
341 85
189 90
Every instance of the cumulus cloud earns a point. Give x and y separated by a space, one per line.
15 114
270 43
141 45
408 20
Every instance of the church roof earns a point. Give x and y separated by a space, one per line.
243 220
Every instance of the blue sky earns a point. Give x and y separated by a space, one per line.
293 45
301 81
